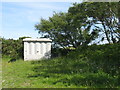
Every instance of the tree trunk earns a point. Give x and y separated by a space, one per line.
108 39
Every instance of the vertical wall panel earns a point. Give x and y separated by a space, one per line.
44 48
34 43
27 48
32 48
41 48
36 49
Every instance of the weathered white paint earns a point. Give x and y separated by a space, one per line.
36 49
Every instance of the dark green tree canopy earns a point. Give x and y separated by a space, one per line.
82 24
104 17
64 31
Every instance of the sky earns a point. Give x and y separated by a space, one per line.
19 18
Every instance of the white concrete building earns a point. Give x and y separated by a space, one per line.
36 49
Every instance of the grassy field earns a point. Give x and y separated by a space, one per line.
54 73
0 73
21 74
96 66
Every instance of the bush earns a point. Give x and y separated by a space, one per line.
99 57
99 79
92 66
58 52
12 48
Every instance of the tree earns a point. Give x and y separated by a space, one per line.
104 18
65 32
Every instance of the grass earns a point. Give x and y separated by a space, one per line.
96 66
54 73
0 73
21 74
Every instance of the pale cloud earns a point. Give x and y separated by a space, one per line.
19 19
42 5
35 16
33 11
37 5
20 32
41 0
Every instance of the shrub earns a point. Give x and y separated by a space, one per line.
12 48
99 57
99 79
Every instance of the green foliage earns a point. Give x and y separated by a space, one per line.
12 48
58 52
100 57
99 79
64 31
93 66
103 17
86 66
96 66
82 24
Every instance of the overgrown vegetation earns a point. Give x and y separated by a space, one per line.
82 24
93 66
12 48
76 64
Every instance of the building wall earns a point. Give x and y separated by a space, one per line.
36 50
